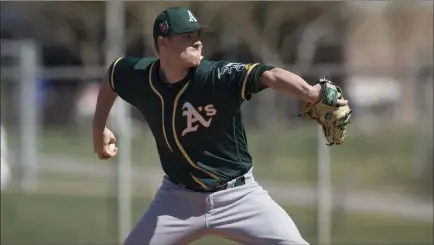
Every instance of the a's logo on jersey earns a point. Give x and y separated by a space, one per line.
191 17
229 68
164 27
195 116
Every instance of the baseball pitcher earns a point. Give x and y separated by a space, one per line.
192 106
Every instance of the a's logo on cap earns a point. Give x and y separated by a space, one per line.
164 27
191 17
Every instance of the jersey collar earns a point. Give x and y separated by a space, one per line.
157 81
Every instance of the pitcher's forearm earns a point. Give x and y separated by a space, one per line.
285 81
104 104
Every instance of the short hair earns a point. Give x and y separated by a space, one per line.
156 43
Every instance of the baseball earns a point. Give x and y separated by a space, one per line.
111 147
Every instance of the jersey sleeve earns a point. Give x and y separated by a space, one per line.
239 78
122 78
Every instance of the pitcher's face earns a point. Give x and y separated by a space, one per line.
184 49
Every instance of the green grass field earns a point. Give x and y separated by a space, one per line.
384 160
60 219
367 162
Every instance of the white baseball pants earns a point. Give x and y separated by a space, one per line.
245 214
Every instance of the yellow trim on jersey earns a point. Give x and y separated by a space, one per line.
178 143
162 105
198 181
243 88
112 73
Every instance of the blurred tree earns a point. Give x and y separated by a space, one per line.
271 33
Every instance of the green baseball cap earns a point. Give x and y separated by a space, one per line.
176 20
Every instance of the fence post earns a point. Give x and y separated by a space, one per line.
324 191
115 27
28 63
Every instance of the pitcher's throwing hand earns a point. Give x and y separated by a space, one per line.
104 143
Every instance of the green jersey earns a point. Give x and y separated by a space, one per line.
197 122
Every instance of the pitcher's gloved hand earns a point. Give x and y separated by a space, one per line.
331 114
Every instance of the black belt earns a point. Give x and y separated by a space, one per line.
240 181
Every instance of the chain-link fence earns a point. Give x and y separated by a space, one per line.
381 178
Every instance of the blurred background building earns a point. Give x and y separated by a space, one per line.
53 55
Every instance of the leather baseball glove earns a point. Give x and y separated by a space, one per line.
332 117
